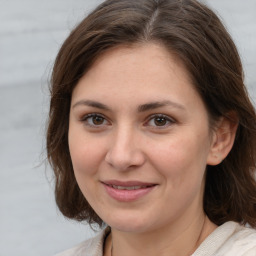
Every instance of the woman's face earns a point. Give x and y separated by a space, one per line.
139 139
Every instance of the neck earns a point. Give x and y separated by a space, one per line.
165 242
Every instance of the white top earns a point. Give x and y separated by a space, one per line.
229 239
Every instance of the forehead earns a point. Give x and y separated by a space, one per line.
139 54
138 73
140 62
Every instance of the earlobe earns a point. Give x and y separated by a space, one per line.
223 139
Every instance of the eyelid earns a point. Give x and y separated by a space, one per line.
85 116
168 118
84 119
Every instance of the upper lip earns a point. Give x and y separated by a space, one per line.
130 183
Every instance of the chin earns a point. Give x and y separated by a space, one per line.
130 228
132 224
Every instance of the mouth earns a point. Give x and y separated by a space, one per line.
127 191
128 188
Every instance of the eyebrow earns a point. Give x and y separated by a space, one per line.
141 108
159 104
91 103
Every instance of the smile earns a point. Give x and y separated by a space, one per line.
128 188
127 191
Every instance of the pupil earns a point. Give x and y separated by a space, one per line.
160 121
97 120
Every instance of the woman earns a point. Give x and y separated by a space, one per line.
151 132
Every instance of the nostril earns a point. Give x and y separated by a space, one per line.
125 160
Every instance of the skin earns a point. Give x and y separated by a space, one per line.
128 143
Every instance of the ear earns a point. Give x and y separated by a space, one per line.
223 139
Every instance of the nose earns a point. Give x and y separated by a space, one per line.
124 151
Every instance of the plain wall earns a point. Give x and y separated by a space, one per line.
31 32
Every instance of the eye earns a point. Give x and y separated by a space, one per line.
161 121
94 120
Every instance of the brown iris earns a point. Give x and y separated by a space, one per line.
98 120
160 121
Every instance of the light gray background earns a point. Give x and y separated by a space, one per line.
31 32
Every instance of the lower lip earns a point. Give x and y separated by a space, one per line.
124 195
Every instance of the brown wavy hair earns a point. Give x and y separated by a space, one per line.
196 35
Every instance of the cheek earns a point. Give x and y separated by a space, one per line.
85 158
182 159
85 153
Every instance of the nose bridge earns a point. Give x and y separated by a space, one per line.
123 138
123 151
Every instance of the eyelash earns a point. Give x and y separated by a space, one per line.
85 119
168 121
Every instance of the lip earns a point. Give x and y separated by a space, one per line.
131 190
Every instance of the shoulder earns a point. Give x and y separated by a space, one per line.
241 242
228 240
90 247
